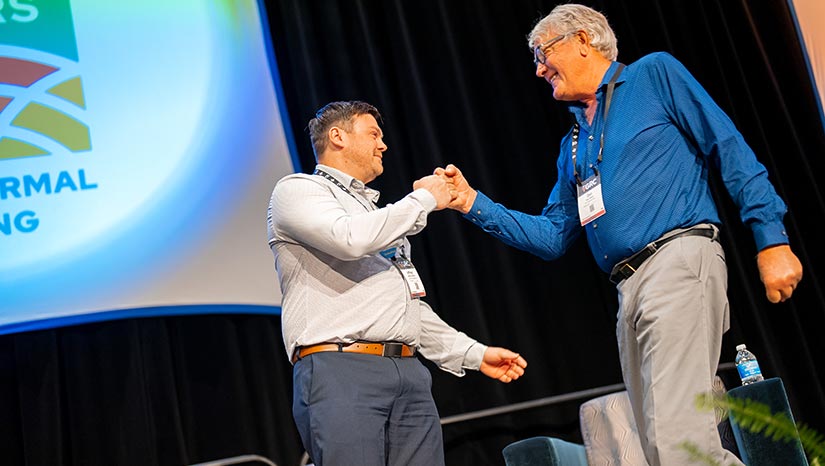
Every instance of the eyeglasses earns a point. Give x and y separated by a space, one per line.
538 54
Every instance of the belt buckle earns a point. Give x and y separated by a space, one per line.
621 272
392 350
626 270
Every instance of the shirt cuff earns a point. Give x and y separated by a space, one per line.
474 356
425 198
466 353
488 215
482 207
770 234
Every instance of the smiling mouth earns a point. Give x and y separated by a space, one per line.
553 78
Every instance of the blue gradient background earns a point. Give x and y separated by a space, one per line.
187 142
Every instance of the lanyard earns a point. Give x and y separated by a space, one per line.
335 181
575 144
391 251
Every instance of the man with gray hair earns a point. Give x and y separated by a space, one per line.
632 175
352 314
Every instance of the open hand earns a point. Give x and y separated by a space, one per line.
502 364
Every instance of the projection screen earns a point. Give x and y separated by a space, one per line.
139 143
810 20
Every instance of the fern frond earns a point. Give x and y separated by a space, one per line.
758 418
695 454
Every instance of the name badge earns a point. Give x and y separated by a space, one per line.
591 204
411 277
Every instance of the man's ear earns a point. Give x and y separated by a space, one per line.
583 41
337 137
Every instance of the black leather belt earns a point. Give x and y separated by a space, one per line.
626 268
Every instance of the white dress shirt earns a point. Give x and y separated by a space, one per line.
337 287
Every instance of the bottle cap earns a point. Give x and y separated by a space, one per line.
740 347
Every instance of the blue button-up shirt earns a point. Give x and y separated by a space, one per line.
663 134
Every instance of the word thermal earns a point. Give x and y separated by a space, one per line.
26 221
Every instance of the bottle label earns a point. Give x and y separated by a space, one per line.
748 369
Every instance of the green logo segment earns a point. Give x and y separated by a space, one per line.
54 124
44 26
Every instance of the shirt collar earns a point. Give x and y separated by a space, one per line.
609 74
577 108
351 183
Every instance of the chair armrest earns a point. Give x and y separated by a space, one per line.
541 451
757 449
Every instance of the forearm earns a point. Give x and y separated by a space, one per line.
310 214
451 350
537 234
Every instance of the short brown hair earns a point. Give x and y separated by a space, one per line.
336 113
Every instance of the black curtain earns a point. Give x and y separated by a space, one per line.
158 391
455 83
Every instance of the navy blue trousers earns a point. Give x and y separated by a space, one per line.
365 410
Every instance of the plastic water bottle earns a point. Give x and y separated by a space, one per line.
747 366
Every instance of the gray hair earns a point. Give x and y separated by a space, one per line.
336 114
565 19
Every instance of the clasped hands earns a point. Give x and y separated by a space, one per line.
450 189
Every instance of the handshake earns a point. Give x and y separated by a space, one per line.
450 189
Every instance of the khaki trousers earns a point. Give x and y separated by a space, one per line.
672 314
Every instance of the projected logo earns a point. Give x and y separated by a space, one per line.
41 105
27 101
